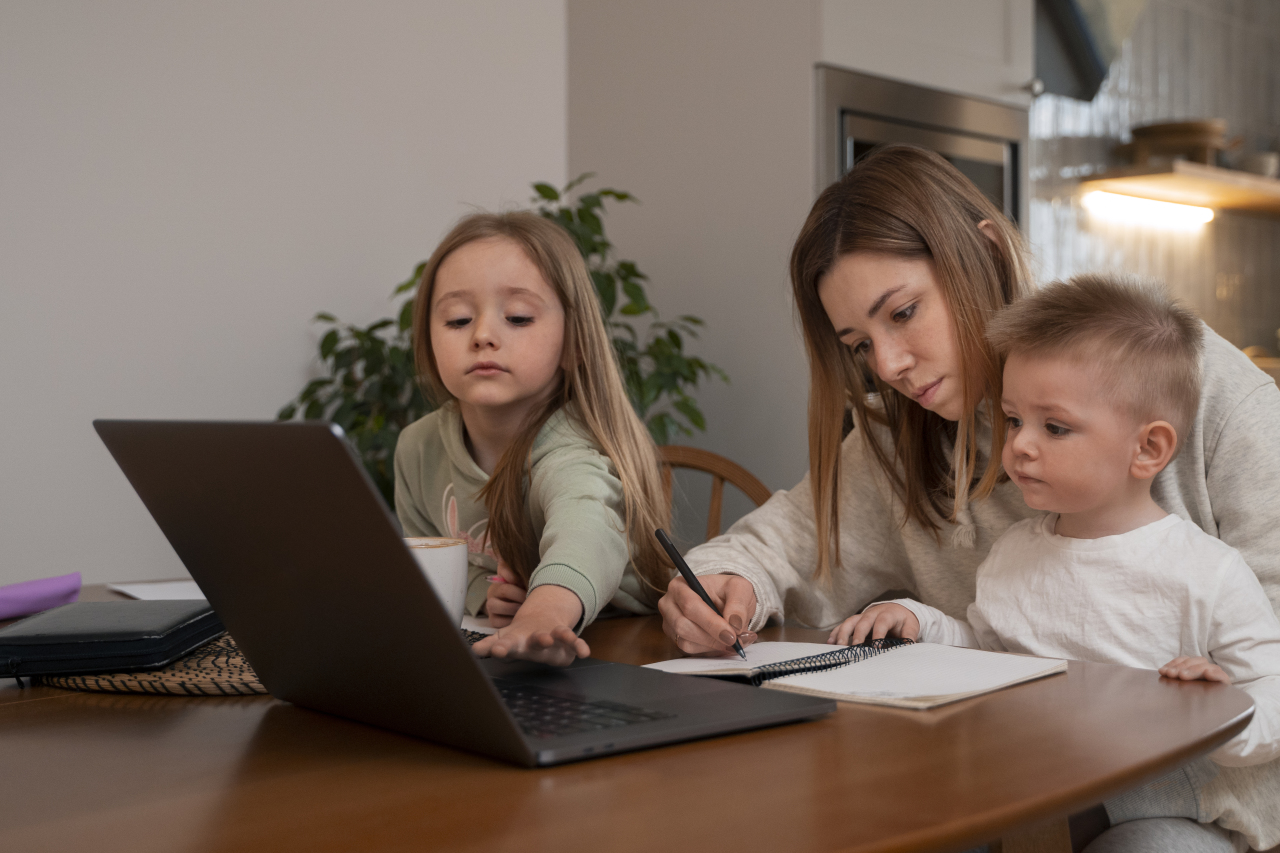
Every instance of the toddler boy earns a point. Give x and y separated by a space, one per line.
1101 379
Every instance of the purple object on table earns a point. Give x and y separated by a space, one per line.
20 599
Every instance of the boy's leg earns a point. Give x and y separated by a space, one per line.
1162 835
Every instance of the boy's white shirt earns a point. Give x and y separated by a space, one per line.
1141 599
1138 599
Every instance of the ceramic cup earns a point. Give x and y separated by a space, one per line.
444 562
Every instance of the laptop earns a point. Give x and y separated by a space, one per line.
285 534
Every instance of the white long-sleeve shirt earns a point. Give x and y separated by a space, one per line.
1138 599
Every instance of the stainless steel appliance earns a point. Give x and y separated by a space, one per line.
984 140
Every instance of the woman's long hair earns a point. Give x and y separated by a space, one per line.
590 389
905 201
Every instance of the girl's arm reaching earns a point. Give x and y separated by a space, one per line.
540 630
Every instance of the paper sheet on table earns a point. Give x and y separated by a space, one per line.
921 676
159 590
758 654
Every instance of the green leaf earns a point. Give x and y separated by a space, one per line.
328 342
628 269
606 290
287 413
324 317
690 410
547 191
591 221
585 176
411 282
312 388
635 293
406 315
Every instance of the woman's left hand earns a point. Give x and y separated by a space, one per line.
542 630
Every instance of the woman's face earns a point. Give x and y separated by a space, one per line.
892 310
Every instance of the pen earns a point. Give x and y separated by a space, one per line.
692 580
496 579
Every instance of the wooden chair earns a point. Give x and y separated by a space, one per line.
721 469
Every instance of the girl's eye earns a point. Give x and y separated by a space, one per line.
1013 422
1056 430
458 323
904 314
520 320
861 347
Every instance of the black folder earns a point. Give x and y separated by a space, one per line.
106 636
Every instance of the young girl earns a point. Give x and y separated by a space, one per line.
534 455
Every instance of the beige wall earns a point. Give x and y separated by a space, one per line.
183 185
703 110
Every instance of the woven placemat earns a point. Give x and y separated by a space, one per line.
215 669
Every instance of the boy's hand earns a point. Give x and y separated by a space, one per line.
542 630
877 621
504 597
1194 669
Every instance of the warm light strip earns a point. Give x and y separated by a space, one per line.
1130 210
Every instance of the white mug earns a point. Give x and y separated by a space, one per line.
444 562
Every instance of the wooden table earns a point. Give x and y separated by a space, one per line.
100 772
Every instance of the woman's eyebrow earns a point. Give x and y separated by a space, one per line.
884 297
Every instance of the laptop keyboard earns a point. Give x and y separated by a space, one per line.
542 714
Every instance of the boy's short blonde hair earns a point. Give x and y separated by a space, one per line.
1144 345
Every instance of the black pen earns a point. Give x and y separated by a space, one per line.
692 580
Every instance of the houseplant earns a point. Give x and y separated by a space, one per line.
370 390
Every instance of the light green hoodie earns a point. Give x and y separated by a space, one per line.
574 500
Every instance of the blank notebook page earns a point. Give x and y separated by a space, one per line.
758 654
924 669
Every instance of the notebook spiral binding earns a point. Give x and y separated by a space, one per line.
828 660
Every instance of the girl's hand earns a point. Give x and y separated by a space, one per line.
542 629
1194 669
877 621
504 597
695 627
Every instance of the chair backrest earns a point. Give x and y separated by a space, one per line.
720 469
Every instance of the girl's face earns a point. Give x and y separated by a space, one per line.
892 310
497 329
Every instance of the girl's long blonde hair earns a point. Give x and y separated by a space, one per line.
590 390
905 201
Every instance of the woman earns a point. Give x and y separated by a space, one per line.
895 273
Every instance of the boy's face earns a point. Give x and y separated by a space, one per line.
1068 448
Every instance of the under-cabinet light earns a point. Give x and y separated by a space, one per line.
1131 210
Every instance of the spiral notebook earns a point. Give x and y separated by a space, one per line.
897 673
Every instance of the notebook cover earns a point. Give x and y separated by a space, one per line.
106 636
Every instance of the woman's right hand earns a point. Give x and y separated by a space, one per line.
695 627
